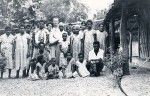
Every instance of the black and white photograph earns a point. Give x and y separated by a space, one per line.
74 47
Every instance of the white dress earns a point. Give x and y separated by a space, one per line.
76 45
88 42
7 49
82 68
101 36
21 51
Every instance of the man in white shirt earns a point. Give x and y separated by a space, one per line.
55 30
58 36
95 60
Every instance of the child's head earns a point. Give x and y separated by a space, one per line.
64 36
53 61
69 55
81 57
41 46
41 40
61 26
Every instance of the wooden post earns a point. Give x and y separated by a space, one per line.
130 45
112 37
147 37
139 37
123 39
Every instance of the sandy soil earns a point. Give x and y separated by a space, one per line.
90 86
138 83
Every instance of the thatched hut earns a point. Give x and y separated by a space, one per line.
133 17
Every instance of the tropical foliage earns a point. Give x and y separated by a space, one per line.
66 10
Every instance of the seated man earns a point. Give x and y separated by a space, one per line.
95 63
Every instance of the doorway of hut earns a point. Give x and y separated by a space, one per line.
139 48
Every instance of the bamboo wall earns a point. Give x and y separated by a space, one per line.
144 31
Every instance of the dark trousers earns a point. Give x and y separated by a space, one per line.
95 69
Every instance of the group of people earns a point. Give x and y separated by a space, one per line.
53 50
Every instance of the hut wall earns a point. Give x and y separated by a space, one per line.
144 31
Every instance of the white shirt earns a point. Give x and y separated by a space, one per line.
41 34
64 45
93 56
57 34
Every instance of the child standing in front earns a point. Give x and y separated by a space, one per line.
64 46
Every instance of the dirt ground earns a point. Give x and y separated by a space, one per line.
138 83
90 86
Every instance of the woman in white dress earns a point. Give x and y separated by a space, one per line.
7 41
21 51
76 42
58 36
88 38
51 41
